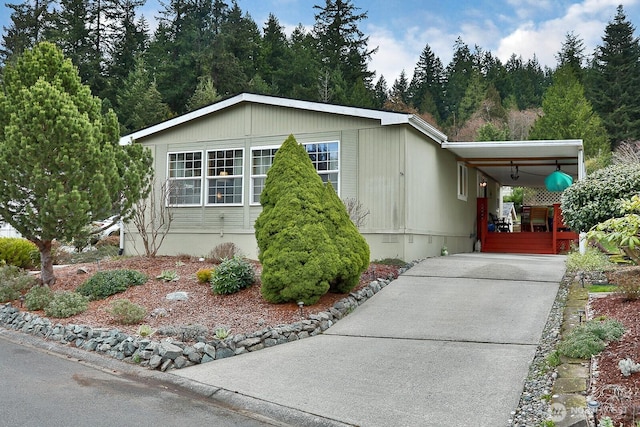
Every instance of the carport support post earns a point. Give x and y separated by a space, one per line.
482 220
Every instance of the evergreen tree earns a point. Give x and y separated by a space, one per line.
426 87
400 89
275 56
184 31
30 23
303 69
74 171
380 93
129 39
204 95
615 80
473 97
341 44
569 115
458 74
298 258
139 102
241 38
73 34
571 55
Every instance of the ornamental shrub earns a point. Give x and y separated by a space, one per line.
590 338
598 197
18 251
38 297
231 276
127 313
13 282
353 249
298 258
66 304
204 275
105 283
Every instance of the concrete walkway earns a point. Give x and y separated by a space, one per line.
449 343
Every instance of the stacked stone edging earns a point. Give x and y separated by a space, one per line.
169 353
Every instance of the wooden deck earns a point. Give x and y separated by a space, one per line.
556 241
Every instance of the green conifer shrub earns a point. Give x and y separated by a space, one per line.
308 245
353 249
297 255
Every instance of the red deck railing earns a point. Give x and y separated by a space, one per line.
556 241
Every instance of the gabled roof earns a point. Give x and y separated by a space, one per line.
386 118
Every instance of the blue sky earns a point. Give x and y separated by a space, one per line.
401 30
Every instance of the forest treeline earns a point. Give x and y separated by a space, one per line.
205 50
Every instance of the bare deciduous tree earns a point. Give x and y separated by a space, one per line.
627 152
153 218
357 212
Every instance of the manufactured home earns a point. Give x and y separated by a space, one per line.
422 192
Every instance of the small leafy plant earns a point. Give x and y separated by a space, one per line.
145 331
231 276
66 304
222 333
168 276
38 298
127 313
106 283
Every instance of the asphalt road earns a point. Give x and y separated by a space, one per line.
40 388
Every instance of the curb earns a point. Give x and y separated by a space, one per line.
268 412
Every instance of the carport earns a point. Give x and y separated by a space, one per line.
522 164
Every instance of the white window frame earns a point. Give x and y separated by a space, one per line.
194 178
324 174
463 181
224 172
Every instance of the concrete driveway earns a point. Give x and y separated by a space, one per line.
448 343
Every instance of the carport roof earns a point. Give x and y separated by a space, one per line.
534 160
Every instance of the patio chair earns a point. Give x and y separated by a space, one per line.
538 218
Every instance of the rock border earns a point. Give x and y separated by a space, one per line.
169 353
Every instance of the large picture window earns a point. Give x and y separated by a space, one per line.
323 155
224 176
185 178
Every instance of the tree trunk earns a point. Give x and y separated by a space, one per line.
46 263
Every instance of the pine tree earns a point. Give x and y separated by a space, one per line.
60 163
615 80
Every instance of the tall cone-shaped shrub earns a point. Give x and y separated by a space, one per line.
353 249
298 258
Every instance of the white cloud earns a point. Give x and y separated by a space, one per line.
587 20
